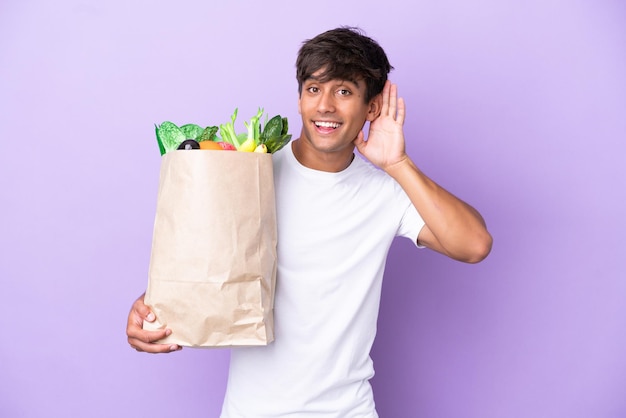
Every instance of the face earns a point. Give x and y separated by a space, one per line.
333 113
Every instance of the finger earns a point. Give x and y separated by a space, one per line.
142 309
141 312
401 111
384 110
154 348
359 138
136 319
147 336
393 100
135 330
359 142
142 340
145 340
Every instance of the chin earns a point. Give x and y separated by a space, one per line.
327 144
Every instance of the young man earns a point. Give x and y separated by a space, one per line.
337 217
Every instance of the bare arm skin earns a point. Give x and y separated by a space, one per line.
142 340
453 227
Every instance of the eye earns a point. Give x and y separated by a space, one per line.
312 89
344 92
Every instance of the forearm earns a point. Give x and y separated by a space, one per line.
457 229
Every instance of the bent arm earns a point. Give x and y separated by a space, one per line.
453 227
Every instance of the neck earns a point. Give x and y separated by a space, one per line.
329 161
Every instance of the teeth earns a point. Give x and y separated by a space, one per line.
327 124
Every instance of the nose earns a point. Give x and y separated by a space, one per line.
326 103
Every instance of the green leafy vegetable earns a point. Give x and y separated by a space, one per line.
285 127
191 131
169 136
209 134
274 135
272 128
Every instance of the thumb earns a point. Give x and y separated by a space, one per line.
359 141
143 311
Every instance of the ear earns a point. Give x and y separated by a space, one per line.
300 104
374 107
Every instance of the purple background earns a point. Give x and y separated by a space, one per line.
518 107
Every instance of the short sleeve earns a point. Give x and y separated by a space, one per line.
411 222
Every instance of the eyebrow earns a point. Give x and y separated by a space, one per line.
319 79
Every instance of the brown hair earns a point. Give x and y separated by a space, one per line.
345 53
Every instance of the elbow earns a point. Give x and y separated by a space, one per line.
480 249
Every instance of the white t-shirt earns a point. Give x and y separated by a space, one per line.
334 233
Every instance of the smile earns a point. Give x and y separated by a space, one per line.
332 125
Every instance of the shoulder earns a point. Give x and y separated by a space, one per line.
366 171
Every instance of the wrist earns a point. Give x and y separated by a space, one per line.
397 167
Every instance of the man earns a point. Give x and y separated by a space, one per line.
337 217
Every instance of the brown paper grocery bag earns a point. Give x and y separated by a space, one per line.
213 264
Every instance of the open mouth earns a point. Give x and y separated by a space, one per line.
324 126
